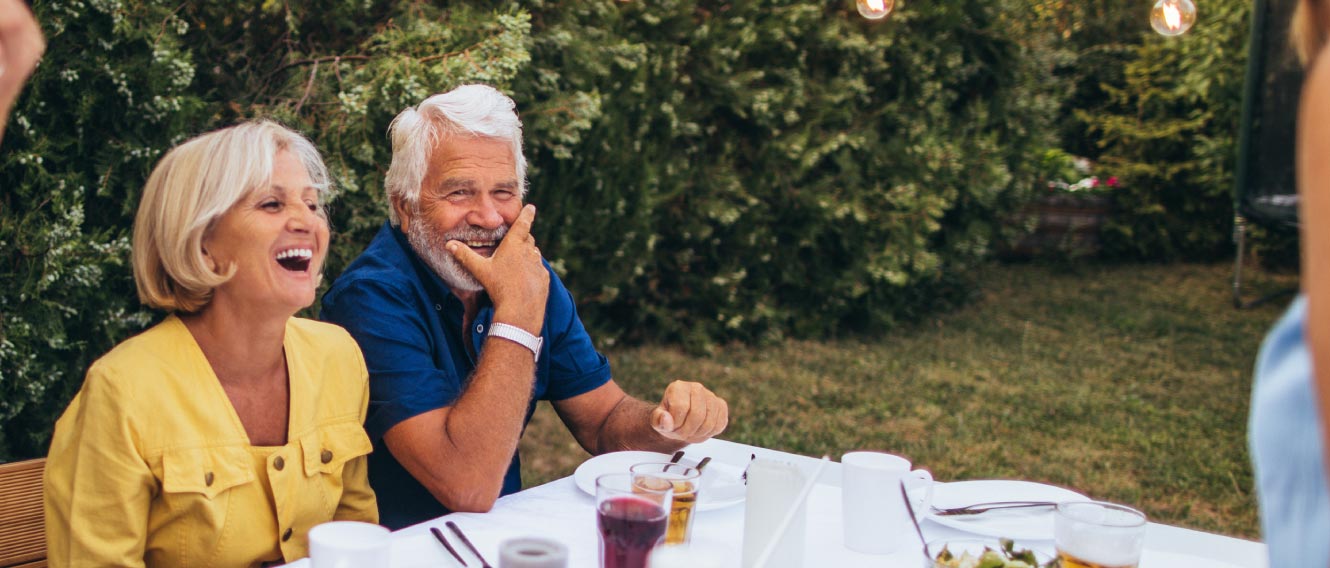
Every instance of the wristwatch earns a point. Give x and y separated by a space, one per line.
519 336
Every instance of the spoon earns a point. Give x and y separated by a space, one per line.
910 509
674 459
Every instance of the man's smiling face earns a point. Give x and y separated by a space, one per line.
470 194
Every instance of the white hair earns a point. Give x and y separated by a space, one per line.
475 110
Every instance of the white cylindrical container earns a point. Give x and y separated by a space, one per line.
532 552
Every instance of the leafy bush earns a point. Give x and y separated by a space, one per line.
1169 128
114 91
122 82
783 167
705 171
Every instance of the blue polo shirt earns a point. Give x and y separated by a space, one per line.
409 326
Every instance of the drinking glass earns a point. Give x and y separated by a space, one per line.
686 481
631 519
1094 534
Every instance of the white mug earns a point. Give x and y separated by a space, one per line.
874 514
349 544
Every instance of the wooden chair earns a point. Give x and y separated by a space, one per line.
22 521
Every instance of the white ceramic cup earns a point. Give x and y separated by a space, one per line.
874 514
349 544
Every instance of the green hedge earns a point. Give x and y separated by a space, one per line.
705 171
1163 115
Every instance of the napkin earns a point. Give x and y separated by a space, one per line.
774 488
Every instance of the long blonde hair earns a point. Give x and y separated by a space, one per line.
1306 33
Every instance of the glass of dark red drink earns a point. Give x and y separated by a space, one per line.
631 519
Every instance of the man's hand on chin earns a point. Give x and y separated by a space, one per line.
514 277
690 413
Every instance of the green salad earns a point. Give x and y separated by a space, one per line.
1005 557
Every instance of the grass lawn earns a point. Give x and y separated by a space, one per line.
1128 383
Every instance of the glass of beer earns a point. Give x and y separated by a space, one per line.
1094 534
685 481
631 520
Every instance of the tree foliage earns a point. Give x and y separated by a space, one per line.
1168 127
705 171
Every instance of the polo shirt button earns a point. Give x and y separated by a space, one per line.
480 328
207 479
438 307
326 456
278 463
286 535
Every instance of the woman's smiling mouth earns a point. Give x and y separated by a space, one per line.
296 259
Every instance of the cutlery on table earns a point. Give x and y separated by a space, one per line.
438 535
905 496
744 477
674 459
466 541
978 508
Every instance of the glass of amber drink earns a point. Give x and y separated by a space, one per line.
1094 534
685 481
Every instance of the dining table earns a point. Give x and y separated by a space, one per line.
562 511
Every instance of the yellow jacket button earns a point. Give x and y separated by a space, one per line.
326 456
207 479
278 463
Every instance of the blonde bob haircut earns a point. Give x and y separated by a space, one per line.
191 188
468 110
1307 32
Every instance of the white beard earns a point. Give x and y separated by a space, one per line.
430 247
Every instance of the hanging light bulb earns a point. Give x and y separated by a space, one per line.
874 9
1173 17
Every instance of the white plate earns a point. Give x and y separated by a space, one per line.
720 487
1157 559
1020 524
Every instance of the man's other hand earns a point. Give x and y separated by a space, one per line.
514 277
689 412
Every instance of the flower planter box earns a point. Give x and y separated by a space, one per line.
1061 225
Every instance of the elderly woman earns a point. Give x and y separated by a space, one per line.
221 435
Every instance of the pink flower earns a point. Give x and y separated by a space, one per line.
1094 182
1112 181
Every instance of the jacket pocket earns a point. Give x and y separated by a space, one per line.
327 449
206 471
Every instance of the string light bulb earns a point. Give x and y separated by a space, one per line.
1172 17
874 9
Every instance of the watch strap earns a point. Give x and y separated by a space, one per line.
519 336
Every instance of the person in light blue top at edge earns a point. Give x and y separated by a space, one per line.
1292 385
465 327
1286 448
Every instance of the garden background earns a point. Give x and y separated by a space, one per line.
712 177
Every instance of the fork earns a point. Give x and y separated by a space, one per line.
977 508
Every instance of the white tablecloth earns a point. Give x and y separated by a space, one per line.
561 511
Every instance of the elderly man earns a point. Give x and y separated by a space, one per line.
464 326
